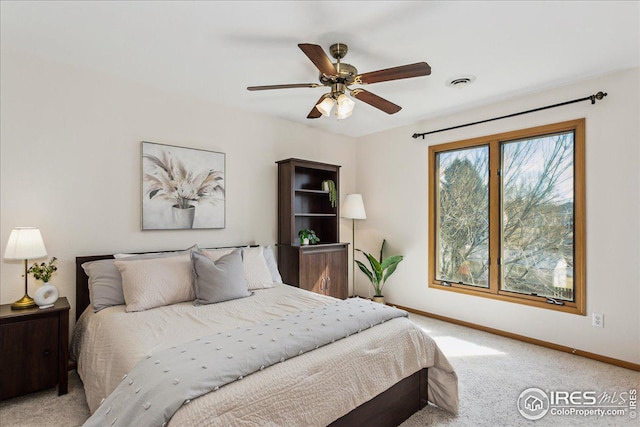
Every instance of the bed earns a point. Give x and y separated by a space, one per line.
380 376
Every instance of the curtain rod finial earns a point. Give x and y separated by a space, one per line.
597 96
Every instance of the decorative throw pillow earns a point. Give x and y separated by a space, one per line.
271 263
218 281
150 283
255 267
105 281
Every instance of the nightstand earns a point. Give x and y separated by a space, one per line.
33 349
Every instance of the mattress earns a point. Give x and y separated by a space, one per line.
315 388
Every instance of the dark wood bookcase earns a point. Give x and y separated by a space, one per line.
302 204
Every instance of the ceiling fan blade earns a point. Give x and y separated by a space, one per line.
396 73
289 86
319 58
376 101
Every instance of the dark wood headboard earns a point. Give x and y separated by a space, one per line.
82 280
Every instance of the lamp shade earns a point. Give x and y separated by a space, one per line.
345 107
25 243
353 207
325 106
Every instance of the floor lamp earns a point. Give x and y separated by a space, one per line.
353 208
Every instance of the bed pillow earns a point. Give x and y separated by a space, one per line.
271 263
105 282
218 281
216 254
156 282
255 268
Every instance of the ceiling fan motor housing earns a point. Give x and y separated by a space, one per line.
346 75
346 72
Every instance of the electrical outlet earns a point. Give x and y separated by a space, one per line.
597 320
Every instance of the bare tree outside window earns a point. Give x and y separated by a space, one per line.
537 216
463 216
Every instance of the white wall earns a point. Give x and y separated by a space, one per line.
392 175
70 164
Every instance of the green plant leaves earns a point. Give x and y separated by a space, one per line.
382 248
43 271
333 192
308 234
366 271
380 269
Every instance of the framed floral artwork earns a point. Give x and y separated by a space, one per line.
182 188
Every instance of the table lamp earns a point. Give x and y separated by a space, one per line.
25 243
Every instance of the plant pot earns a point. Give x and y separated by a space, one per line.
325 186
304 241
46 296
183 217
378 298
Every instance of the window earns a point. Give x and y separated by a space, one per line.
507 216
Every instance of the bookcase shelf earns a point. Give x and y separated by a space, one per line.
319 215
303 204
302 191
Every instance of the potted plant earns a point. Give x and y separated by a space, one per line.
380 271
330 186
308 237
47 294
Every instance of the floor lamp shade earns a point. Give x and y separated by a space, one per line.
353 207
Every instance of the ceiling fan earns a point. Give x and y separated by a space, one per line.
339 76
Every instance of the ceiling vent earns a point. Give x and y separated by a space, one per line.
461 81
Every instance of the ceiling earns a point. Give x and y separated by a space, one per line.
214 50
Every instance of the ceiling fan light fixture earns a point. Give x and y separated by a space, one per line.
345 107
343 115
326 106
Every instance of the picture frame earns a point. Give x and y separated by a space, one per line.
182 188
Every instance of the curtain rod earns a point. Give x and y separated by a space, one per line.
592 98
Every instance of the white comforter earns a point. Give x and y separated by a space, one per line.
313 389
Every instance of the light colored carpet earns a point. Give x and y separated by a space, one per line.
492 373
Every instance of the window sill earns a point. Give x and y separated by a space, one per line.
533 301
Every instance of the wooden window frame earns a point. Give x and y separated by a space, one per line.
494 143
